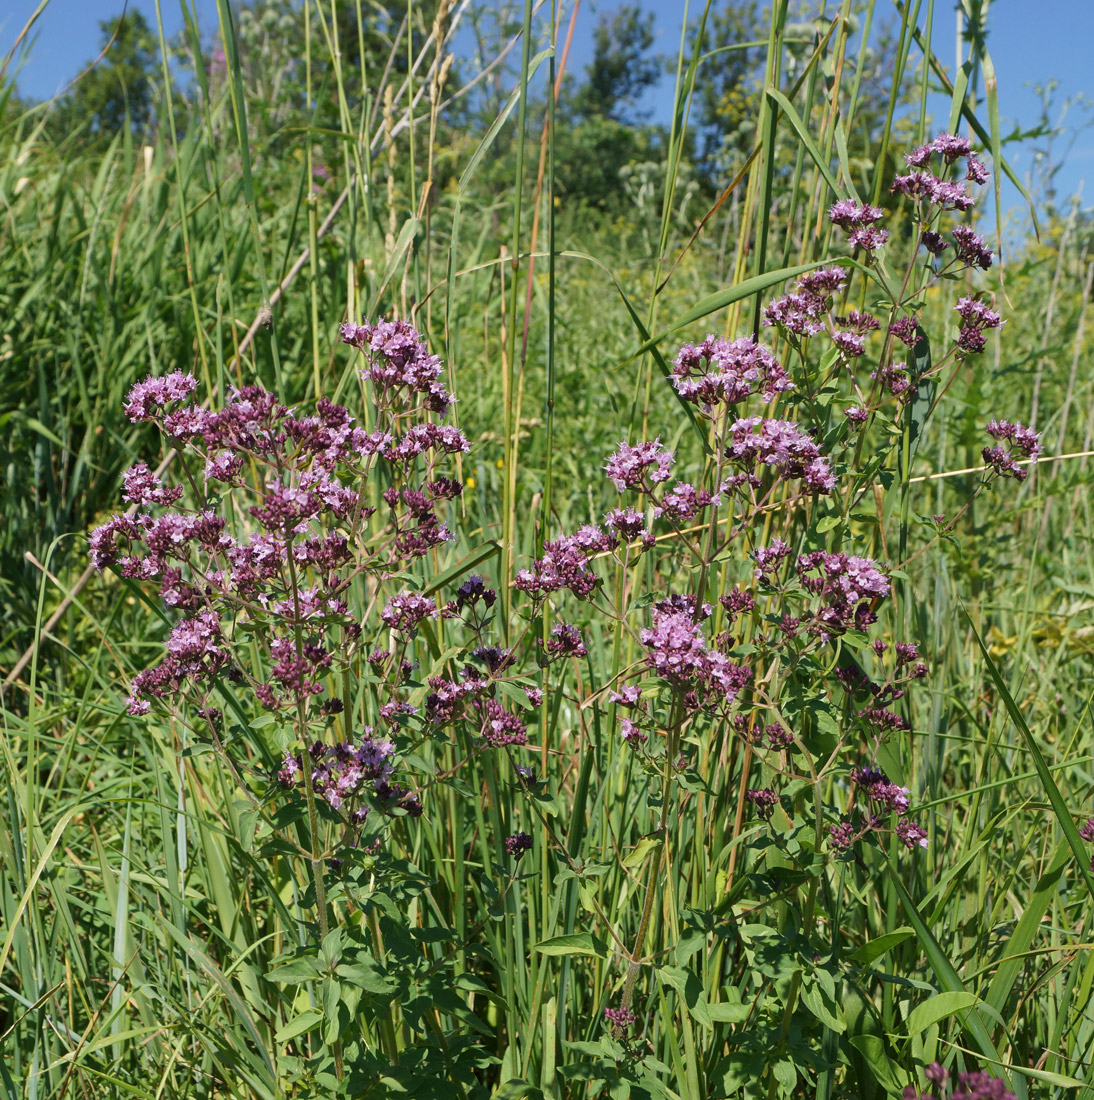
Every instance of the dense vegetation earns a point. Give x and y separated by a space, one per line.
593 871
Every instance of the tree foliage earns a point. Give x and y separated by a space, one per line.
118 93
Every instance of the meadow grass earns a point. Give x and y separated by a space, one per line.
142 910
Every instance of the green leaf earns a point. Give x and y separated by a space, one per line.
722 298
499 122
947 977
644 848
298 1025
725 1012
365 972
923 396
786 1073
690 989
516 1088
472 983
872 1048
823 1008
514 694
1028 927
303 969
800 129
938 1008
579 943
1060 1080
869 952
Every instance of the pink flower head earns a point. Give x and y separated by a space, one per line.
631 467
781 445
405 611
971 249
1018 440
723 372
149 398
849 214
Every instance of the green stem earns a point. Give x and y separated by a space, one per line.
671 747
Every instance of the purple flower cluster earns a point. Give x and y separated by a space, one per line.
911 835
639 467
926 186
850 344
1019 440
404 612
500 728
149 398
844 587
970 248
782 446
627 524
684 502
677 652
841 836
345 774
859 220
627 696
888 798
939 193
399 359
777 736
565 565
768 559
517 844
980 1086
1086 831
736 603
763 800
474 591
195 653
280 573
803 312
906 330
296 669
447 699
632 733
620 1018
725 372
142 487
565 641
893 377
951 148
975 317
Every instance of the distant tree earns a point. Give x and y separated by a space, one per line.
622 67
120 90
598 132
722 116
271 36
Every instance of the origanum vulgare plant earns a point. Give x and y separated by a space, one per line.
293 577
744 608
767 643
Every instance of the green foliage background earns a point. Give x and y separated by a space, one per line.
221 206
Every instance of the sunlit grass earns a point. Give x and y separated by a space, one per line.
136 921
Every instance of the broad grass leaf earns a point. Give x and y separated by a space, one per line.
579 943
938 1008
869 952
298 1025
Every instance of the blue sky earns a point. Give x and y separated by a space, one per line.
1030 42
